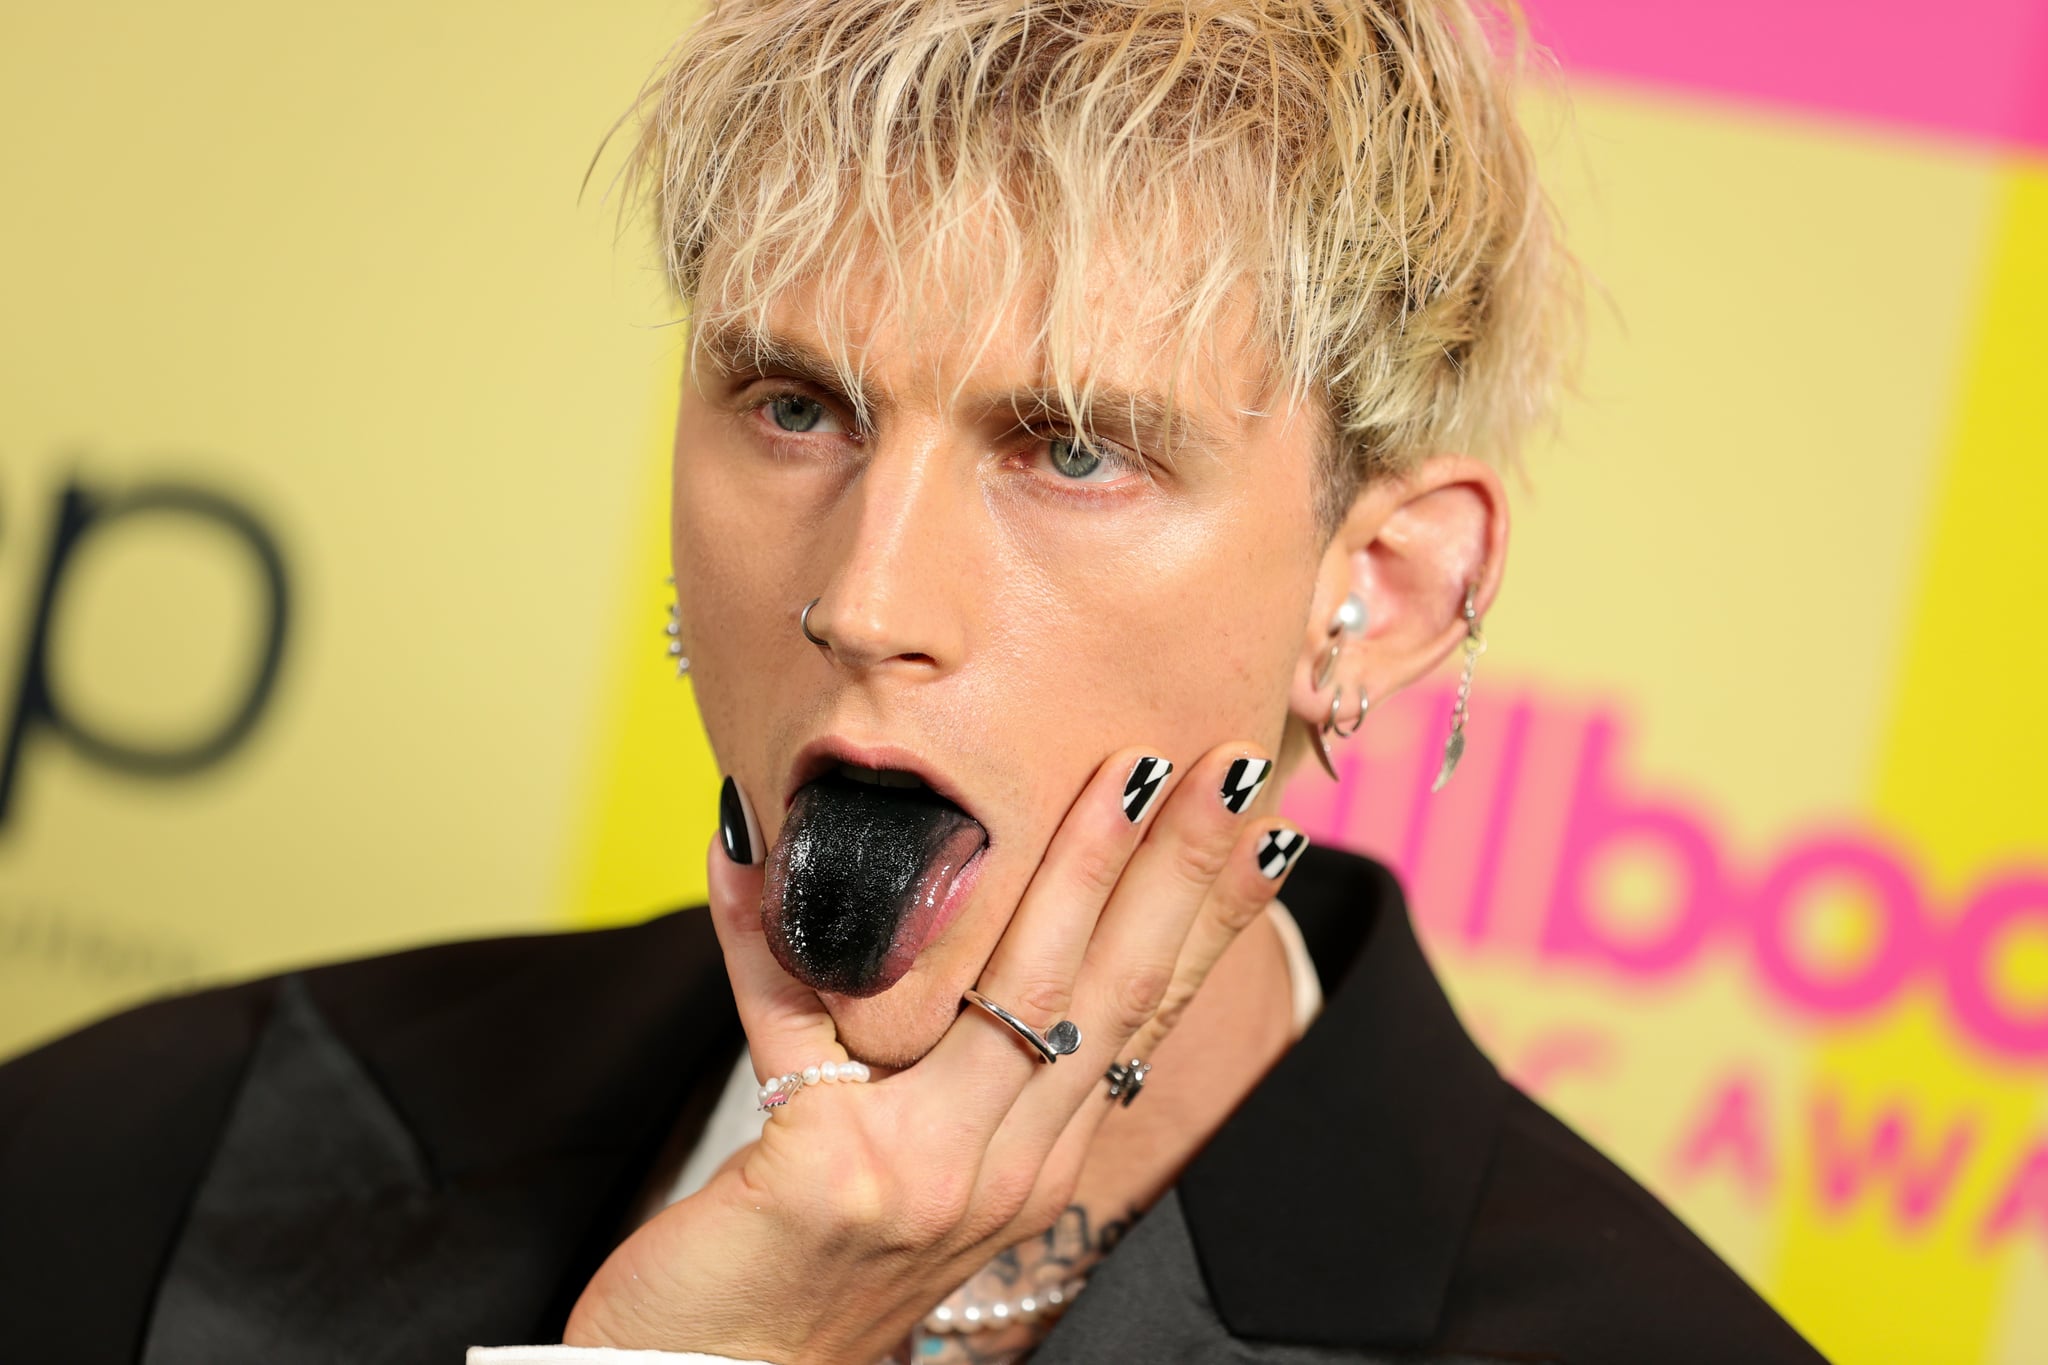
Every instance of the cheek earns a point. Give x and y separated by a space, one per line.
734 583
1187 636
732 533
714 525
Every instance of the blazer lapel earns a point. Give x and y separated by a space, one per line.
317 1195
434 1151
1332 1206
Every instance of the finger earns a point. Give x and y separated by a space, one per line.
1131 960
1258 866
980 1061
787 1025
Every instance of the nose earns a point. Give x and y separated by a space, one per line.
897 591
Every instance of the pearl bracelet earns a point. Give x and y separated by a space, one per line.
987 1317
777 1090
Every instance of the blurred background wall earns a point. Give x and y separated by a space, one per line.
332 446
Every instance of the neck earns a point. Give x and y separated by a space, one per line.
1238 1025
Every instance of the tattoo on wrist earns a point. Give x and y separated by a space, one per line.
1070 1247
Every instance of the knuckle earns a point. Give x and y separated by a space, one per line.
735 915
1041 997
1007 1194
929 1212
1167 1017
856 1195
1237 912
1097 866
1198 861
1137 993
1042 1210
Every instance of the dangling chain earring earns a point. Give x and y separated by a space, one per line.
1475 645
674 631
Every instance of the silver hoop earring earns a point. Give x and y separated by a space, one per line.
803 623
674 631
1475 645
1337 700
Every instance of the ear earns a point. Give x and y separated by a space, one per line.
1409 547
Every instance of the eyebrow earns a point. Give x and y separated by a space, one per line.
736 349
1140 417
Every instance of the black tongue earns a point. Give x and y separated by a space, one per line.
857 876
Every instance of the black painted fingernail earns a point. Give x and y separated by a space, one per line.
1243 781
1278 850
736 827
1143 785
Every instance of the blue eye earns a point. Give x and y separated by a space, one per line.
1072 459
794 412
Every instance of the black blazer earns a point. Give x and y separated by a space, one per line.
394 1159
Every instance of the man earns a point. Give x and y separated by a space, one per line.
1085 415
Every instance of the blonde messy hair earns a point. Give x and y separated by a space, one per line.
1352 167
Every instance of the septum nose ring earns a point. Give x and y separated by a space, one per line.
803 623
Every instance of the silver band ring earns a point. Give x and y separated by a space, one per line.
803 623
1126 1081
1055 1043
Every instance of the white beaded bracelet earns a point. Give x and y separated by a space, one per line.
777 1090
1050 1301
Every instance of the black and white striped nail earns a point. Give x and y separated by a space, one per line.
1143 785
1278 850
736 827
1243 781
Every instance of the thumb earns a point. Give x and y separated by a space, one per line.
787 1025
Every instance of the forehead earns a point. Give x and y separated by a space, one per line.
964 319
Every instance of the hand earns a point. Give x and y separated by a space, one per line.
862 1206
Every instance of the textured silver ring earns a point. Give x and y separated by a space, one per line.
1055 1043
1126 1081
803 623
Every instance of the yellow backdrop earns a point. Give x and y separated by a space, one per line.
332 445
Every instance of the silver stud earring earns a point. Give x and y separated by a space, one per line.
1475 645
674 631
1349 620
1351 615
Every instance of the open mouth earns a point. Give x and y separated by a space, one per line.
870 864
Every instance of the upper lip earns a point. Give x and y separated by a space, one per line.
821 756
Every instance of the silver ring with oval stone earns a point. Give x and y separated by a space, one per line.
1055 1043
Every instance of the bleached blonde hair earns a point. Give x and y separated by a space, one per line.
1354 169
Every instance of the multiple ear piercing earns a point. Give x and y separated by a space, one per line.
674 631
1348 623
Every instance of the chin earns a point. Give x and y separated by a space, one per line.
897 1027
